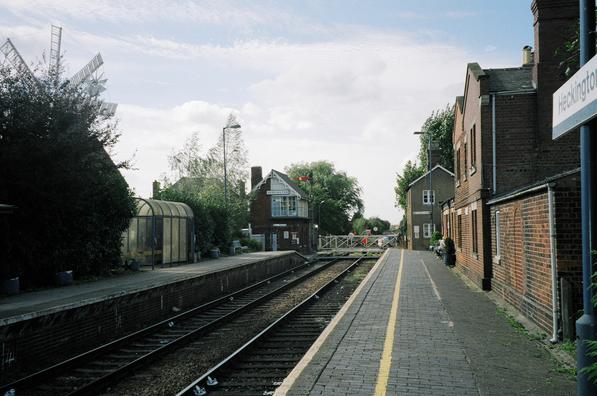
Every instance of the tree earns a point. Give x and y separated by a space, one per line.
73 204
361 224
334 194
200 177
439 126
410 173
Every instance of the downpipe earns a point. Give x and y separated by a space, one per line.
554 269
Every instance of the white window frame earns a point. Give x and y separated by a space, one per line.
284 206
416 231
426 197
427 233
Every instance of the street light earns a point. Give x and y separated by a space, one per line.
229 126
319 213
431 196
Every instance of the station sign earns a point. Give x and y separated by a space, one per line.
278 192
575 102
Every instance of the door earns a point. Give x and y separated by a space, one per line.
274 242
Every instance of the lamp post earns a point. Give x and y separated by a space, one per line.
229 126
431 196
319 213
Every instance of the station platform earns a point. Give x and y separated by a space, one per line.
414 327
28 305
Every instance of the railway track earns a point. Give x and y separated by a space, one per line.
260 366
95 370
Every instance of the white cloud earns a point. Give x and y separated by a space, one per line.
353 99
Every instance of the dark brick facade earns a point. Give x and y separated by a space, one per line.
282 227
520 114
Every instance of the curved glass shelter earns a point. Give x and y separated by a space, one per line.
161 233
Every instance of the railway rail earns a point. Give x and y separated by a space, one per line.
260 365
95 370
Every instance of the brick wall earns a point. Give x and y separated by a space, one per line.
31 344
515 141
522 274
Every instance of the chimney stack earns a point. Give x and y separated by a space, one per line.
527 55
155 189
256 176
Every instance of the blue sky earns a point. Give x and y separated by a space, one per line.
345 81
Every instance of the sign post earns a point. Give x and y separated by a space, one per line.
574 105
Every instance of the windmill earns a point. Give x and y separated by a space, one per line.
89 77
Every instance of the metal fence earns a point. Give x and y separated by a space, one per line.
336 242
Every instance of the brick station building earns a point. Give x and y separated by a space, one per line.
506 168
279 212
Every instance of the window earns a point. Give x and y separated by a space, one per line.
465 163
474 147
458 165
428 198
284 206
428 229
286 234
459 232
474 231
416 230
498 242
295 238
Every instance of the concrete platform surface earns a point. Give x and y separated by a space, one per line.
31 304
413 327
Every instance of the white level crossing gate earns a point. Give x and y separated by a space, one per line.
356 242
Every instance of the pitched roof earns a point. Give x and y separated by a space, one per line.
426 173
510 79
291 184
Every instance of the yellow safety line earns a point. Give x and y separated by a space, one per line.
386 357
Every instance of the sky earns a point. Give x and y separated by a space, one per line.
344 81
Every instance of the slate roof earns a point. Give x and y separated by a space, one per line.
286 180
292 184
510 79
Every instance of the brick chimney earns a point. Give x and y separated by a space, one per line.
555 23
256 176
155 189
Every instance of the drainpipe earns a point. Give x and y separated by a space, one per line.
554 271
494 143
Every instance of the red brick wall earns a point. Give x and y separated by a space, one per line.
522 276
515 141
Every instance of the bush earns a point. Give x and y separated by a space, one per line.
73 203
252 244
435 237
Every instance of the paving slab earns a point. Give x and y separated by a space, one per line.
419 330
51 300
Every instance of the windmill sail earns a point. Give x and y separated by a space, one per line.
16 60
86 71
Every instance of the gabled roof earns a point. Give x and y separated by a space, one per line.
284 177
426 173
510 79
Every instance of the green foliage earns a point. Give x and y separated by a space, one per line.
200 184
73 204
439 126
334 195
253 245
435 237
410 173
360 225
